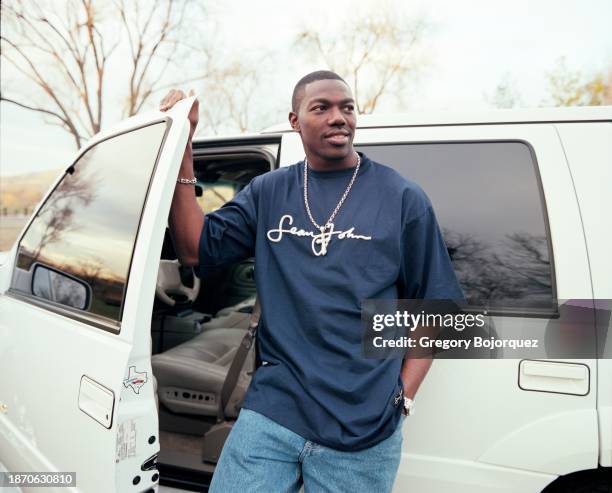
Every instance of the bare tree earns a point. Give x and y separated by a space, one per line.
150 32
64 53
56 218
229 93
230 88
527 259
518 269
376 54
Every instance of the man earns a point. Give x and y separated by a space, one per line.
326 233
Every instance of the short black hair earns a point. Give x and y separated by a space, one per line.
298 90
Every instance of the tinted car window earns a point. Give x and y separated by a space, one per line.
87 227
487 199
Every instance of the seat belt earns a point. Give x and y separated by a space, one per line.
238 362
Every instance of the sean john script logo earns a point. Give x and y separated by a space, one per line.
319 240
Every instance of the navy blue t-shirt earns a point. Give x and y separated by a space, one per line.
386 243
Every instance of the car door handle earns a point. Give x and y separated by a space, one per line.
96 401
553 376
555 370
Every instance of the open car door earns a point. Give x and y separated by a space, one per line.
75 311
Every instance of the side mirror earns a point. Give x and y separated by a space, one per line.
59 287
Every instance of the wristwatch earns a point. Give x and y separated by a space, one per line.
408 406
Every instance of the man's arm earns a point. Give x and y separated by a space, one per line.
186 218
413 373
417 361
426 273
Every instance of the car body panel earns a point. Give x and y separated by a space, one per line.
589 154
475 429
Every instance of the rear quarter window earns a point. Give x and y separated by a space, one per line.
488 202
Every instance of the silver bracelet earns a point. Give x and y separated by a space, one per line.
187 181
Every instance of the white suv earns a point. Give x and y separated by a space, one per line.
112 353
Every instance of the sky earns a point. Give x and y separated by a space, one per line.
470 47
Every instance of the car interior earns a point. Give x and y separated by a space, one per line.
198 326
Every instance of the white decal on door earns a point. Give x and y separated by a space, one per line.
126 440
135 379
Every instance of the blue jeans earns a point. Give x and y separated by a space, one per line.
262 456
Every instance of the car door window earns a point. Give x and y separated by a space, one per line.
488 201
87 227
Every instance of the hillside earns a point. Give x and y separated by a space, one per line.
22 192
19 195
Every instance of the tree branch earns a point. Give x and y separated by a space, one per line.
46 112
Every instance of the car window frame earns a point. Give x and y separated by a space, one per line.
95 320
518 312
